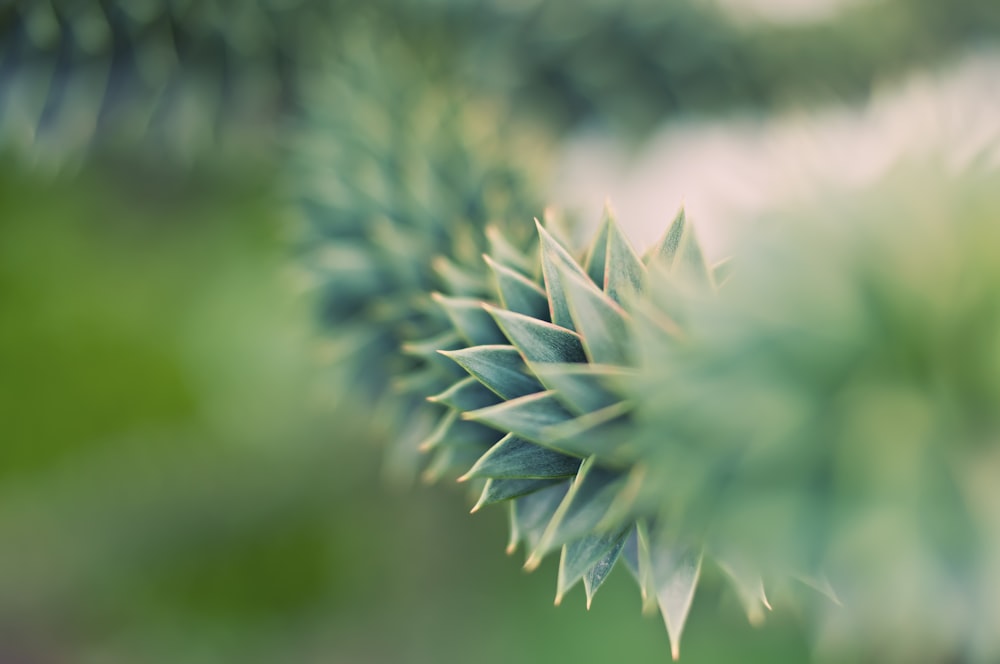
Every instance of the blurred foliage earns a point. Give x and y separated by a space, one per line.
835 410
180 76
632 64
175 488
397 178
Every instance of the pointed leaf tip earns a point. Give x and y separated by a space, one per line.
675 571
602 324
537 340
500 368
555 258
518 293
624 270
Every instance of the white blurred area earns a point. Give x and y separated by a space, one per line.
784 11
729 171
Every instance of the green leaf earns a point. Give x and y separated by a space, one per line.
448 462
583 388
469 319
555 256
602 324
591 558
636 556
531 513
665 249
675 570
624 271
500 368
537 340
596 575
680 252
597 253
518 293
587 501
454 432
499 490
528 416
749 586
635 490
458 280
606 433
516 458
466 394
580 557
429 348
690 263
505 254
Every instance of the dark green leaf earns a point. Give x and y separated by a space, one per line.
605 433
518 293
452 431
591 558
636 556
470 320
500 368
466 394
516 458
430 351
498 490
583 388
675 570
596 575
527 417
599 320
530 514
581 510
537 340
448 462
554 257
505 254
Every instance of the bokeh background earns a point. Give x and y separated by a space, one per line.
184 477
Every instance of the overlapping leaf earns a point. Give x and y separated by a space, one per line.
551 394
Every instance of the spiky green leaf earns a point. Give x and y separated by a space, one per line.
601 323
528 416
498 490
624 271
555 258
500 368
518 293
605 433
597 252
591 558
516 458
531 513
583 388
466 394
675 569
584 506
537 340
469 319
